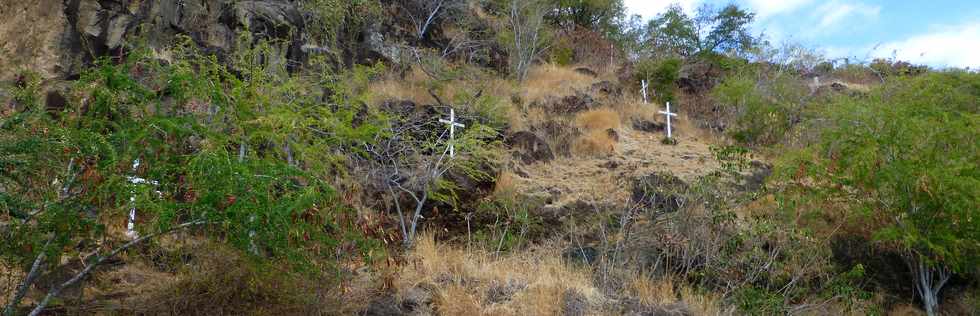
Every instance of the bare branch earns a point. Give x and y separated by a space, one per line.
55 291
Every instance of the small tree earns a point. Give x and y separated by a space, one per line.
424 14
409 159
526 23
674 33
906 157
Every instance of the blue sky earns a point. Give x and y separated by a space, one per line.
938 33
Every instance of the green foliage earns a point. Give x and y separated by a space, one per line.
662 76
509 223
907 157
599 15
26 90
763 110
892 68
339 23
673 33
561 53
734 159
757 301
726 30
847 287
244 151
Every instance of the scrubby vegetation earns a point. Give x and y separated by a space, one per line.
302 168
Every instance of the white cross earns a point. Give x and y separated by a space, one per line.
131 222
644 85
668 114
452 130
251 236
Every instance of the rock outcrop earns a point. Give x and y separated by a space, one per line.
530 148
58 38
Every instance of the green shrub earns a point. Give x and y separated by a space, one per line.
241 155
762 111
662 76
905 160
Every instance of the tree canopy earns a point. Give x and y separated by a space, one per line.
674 33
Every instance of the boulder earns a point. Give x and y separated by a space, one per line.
571 104
529 147
607 88
648 126
378 47
55 101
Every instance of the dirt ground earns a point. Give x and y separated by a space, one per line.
607 179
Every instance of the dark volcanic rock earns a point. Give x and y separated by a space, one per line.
574 303
648 126
613 134
757 178
676 309
583 255
55 101
91 29
530 147
659 192
608 88
570 104
586 71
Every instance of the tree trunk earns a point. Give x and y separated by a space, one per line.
28 280
928 281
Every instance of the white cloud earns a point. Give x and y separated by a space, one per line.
651 8
955 46
833 12
767 8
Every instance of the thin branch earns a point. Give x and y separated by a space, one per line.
55 291
28 280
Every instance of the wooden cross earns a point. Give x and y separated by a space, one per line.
452 130
668 114
644 85
131 222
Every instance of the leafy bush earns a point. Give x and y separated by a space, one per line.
763 111
662 76
234 156
893 68
906 159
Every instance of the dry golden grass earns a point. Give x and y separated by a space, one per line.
594 143
905 310
552 80
477 282
703 304
505 185
530 282
599 119
415 84
10 277
652 292
412 88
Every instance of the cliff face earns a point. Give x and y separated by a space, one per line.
31 37
56 38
